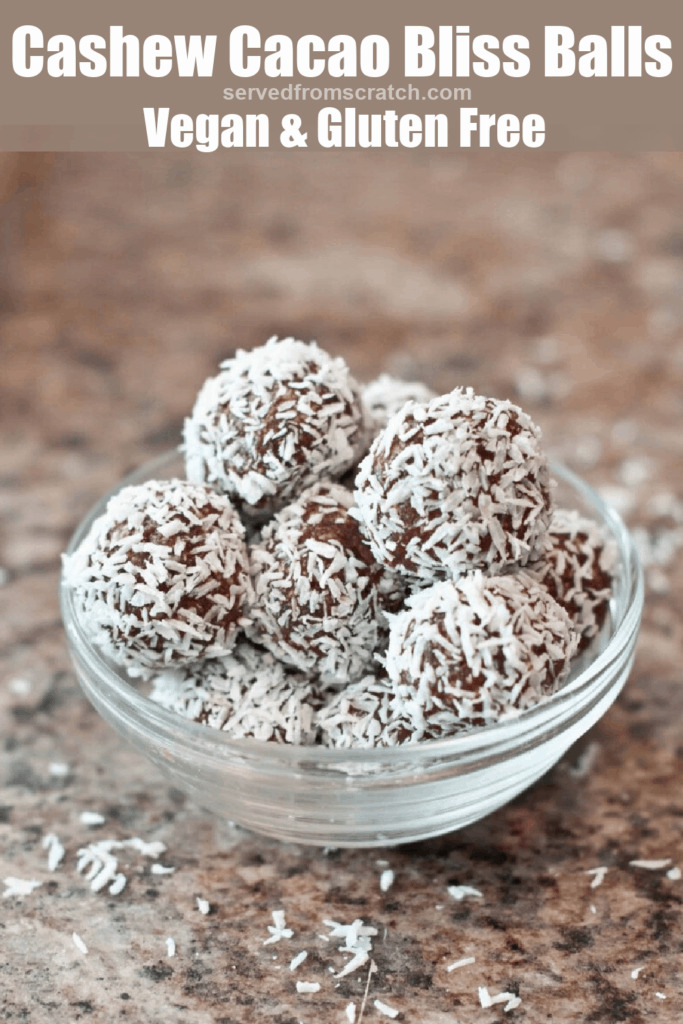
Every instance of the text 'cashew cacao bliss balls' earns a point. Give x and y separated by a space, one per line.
348 565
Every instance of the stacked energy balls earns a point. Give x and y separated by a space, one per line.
344 565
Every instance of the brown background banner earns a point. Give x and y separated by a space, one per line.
106 114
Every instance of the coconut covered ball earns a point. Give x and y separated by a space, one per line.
576 567
469 652
386 395
275 420
456 484
371 712
162 577
247 693
315 587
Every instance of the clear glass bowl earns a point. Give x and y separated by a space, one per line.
369 797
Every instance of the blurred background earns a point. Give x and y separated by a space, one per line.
551 279
554 280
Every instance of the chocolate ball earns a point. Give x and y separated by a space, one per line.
314 579
162 576
275 420
467 653
457 484
387 395
248 694
576 566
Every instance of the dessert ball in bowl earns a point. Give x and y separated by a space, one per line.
365 796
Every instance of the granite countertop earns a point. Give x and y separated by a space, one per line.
554 280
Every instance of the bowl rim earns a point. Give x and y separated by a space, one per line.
206 741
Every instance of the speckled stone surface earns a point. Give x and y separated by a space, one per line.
553 280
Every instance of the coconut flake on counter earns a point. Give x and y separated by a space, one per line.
91 818
306 987
79 943
203 906
386 880
598 876
19 887
651 865
388 1011
170 947
459 892
511 1000
357 940
55 851
298 960
278 929
101 867
161 869
465 962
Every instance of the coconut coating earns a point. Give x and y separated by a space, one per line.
387 395
315 587
247 693
457 484
162 577
275 420
371 712
471 651
576 566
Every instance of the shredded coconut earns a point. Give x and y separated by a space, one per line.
307 986
203 906
651 865
19 886
598 876
506 632
170 947
55 851
466 960
351 1013
388 1011
278 929
162 576
161 869
79 943
511 1000
470 470
636 971
92 818
386 880
274 421
315 584
58 769
674 874
459 892
576 564
298 960
98 862
357 940
248 694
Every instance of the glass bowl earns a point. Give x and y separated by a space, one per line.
385 796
